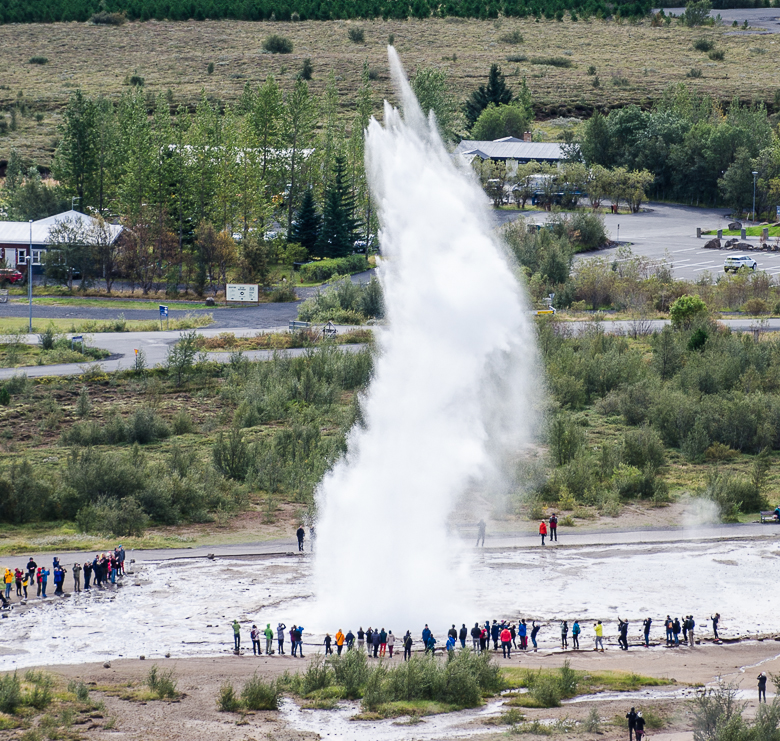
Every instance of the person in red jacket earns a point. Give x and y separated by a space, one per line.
543 530
506 642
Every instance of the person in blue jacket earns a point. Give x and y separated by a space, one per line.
495 630
426 634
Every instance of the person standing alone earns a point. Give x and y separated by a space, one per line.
301 533
762 686
236 636
481 533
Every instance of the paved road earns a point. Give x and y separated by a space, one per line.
494 541
262 316
122 346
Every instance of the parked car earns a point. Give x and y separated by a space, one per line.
739 261
11 275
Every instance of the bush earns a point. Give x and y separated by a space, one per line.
258 694
110 518
687 309
756 306
643 447
104 18
566 438
307 68
228 701
79 689
553 61
276 44
210 68
694 72
356 35
181 424
318 675
514 37
350 670
39 60
733 494
717 55
231 455
146 426
162 683
10 693
703 45
322 270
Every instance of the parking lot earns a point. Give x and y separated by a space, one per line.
669 232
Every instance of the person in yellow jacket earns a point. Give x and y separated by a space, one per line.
8 579
339 642
599 630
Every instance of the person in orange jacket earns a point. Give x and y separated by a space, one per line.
339 641
543 530
506 642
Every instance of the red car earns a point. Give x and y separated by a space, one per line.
10 275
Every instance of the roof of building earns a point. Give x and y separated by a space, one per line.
22 232
511 148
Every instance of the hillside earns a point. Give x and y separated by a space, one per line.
633 62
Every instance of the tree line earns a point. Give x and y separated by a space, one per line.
277 178
102 11
698 151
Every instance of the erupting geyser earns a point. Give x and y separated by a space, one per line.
452 397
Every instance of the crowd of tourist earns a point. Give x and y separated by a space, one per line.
103 568
503 636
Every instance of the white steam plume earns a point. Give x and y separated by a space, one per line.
453 392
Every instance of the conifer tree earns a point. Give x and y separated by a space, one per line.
306 227
496 92
339 225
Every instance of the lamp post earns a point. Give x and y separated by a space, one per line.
755 174
30 274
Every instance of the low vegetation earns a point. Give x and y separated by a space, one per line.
548 687
420 686
194 442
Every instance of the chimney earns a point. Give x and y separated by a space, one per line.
528 136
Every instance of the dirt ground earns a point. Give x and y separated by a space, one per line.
195 717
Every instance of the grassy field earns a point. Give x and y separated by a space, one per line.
751 231
115 304
16 356
634 62
19 323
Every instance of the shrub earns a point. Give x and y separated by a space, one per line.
756 306
514 37
228 701
258 694
136 81
566 438
104 18
733 494
703 45
686 309
717 55
48 337
276 44
517 58
553 61
592 724
181 424
231 455
350 670
123 518
39 60
10 693
146 426
318 675
356 35
307 68
80 690
643 447
591 70
162 683
694 72
210 69
322 270
546 691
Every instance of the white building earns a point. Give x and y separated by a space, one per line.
17 237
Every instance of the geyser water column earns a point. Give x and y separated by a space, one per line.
451 393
